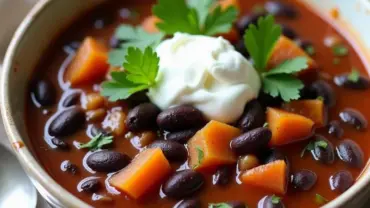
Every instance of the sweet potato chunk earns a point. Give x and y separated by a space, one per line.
115 121
312 109
210 146
271 177
90 63
147 170
285 49
149 24
226 3
287 127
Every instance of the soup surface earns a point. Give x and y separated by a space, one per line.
313 177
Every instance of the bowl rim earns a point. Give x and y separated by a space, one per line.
42 180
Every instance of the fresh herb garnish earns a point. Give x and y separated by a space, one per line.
219 205
141 69
196 17
354 76
336 61
97 142
279 81
265 125
320 98
275 199
340 50
320 200
310 50
313 144
200 156
132 37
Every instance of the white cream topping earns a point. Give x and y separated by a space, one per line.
205 72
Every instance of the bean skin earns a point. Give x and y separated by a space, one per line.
60 143
321 154
142 117
183 184
362 83
324 90
222 176
289 32
251 141
67 122
303 180
71 100
173 151
44 93
181 137
341 181
253 116
189 203
350 153
281 9
266 202
236 204
335 129
91 186
107 161
353 118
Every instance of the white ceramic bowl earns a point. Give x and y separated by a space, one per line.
52 16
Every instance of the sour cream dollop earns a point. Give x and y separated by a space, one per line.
205 72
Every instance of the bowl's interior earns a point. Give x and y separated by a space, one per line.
34 36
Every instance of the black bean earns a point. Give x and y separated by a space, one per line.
288 32
247 20
267 202
303 180
107 161
324 90
189 203
90 186
267 100
183 184
305 45
181 137
174 152
95 131
142 117
60 143
138 98
236 204
253 116
222 176
281 9
71 100
308 93
353 118
335 129
322 154
44 92
275 155
350 153
67 122
180 118
67 166
240 47
341 181
362 83
251 141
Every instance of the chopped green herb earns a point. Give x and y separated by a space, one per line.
275 199
219 205
340 50
321 143
97 142
202 7
280 81
336 61
310 50
312 144
141 68
354 76
265 124
220 21
200 156
320 98
320 200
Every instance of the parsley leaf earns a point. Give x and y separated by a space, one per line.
320 200
340 50
289 67
220 21
265 125
284 85
354 76
219 205
97 142
275 199
202 7
132 37
260 40
141 69
200 156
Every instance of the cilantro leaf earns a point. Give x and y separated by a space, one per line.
275 199
219 205
176 16
289 67
220 21
261 39
313 144
321 143
320 200
116 57
202 7
354 76
200 156
141 69
340 50
97 142
284 85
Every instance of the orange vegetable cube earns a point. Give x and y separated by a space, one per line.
312 109
226 3
116 122
146 171
90 63
272 177
287 127
286 49
210 146
93 101
150 24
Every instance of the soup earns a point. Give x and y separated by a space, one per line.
272 114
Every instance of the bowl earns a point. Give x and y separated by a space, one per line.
29 44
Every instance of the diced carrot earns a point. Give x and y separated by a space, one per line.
115 121
90 63
149 24
312 109
286 49
146 171
271 177
287 127
226 3
93 101
232 36
210 146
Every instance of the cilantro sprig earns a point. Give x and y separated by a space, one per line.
97 142
280 81
219 205
200 156
354 76
320 200
313 144
141 69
